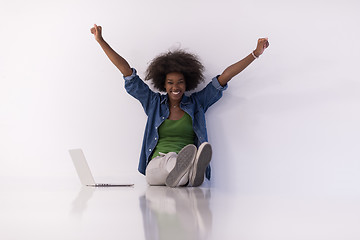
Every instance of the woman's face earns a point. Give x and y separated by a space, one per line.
175 86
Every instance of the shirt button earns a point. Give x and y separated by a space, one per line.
163 117
155 138
149 149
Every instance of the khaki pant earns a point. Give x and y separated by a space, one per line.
159 168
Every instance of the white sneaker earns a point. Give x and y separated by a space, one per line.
184 161
202 160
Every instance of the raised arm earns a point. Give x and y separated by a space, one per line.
237 67
115 58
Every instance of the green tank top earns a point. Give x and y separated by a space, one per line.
174 135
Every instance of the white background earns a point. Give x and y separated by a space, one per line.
288 124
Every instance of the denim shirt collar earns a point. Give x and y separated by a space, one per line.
185 100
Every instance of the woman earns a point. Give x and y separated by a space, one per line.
176 123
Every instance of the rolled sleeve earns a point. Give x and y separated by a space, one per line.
216 84
134 73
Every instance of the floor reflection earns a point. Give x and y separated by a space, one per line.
176 213
79 204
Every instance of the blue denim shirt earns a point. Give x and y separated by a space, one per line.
157 109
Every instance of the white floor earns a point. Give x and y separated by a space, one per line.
56 209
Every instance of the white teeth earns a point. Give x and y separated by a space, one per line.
175 92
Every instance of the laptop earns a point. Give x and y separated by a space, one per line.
84 173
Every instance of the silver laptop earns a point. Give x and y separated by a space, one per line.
84 173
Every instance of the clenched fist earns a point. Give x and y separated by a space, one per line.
262 44
96 30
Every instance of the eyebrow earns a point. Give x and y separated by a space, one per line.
169 79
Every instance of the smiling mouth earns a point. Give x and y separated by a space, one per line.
176 93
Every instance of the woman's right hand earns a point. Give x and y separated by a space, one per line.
115 58
96 30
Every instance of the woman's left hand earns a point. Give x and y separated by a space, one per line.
262 44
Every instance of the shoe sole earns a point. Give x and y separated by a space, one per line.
202 161
184 161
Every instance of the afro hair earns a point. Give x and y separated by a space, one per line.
175 61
